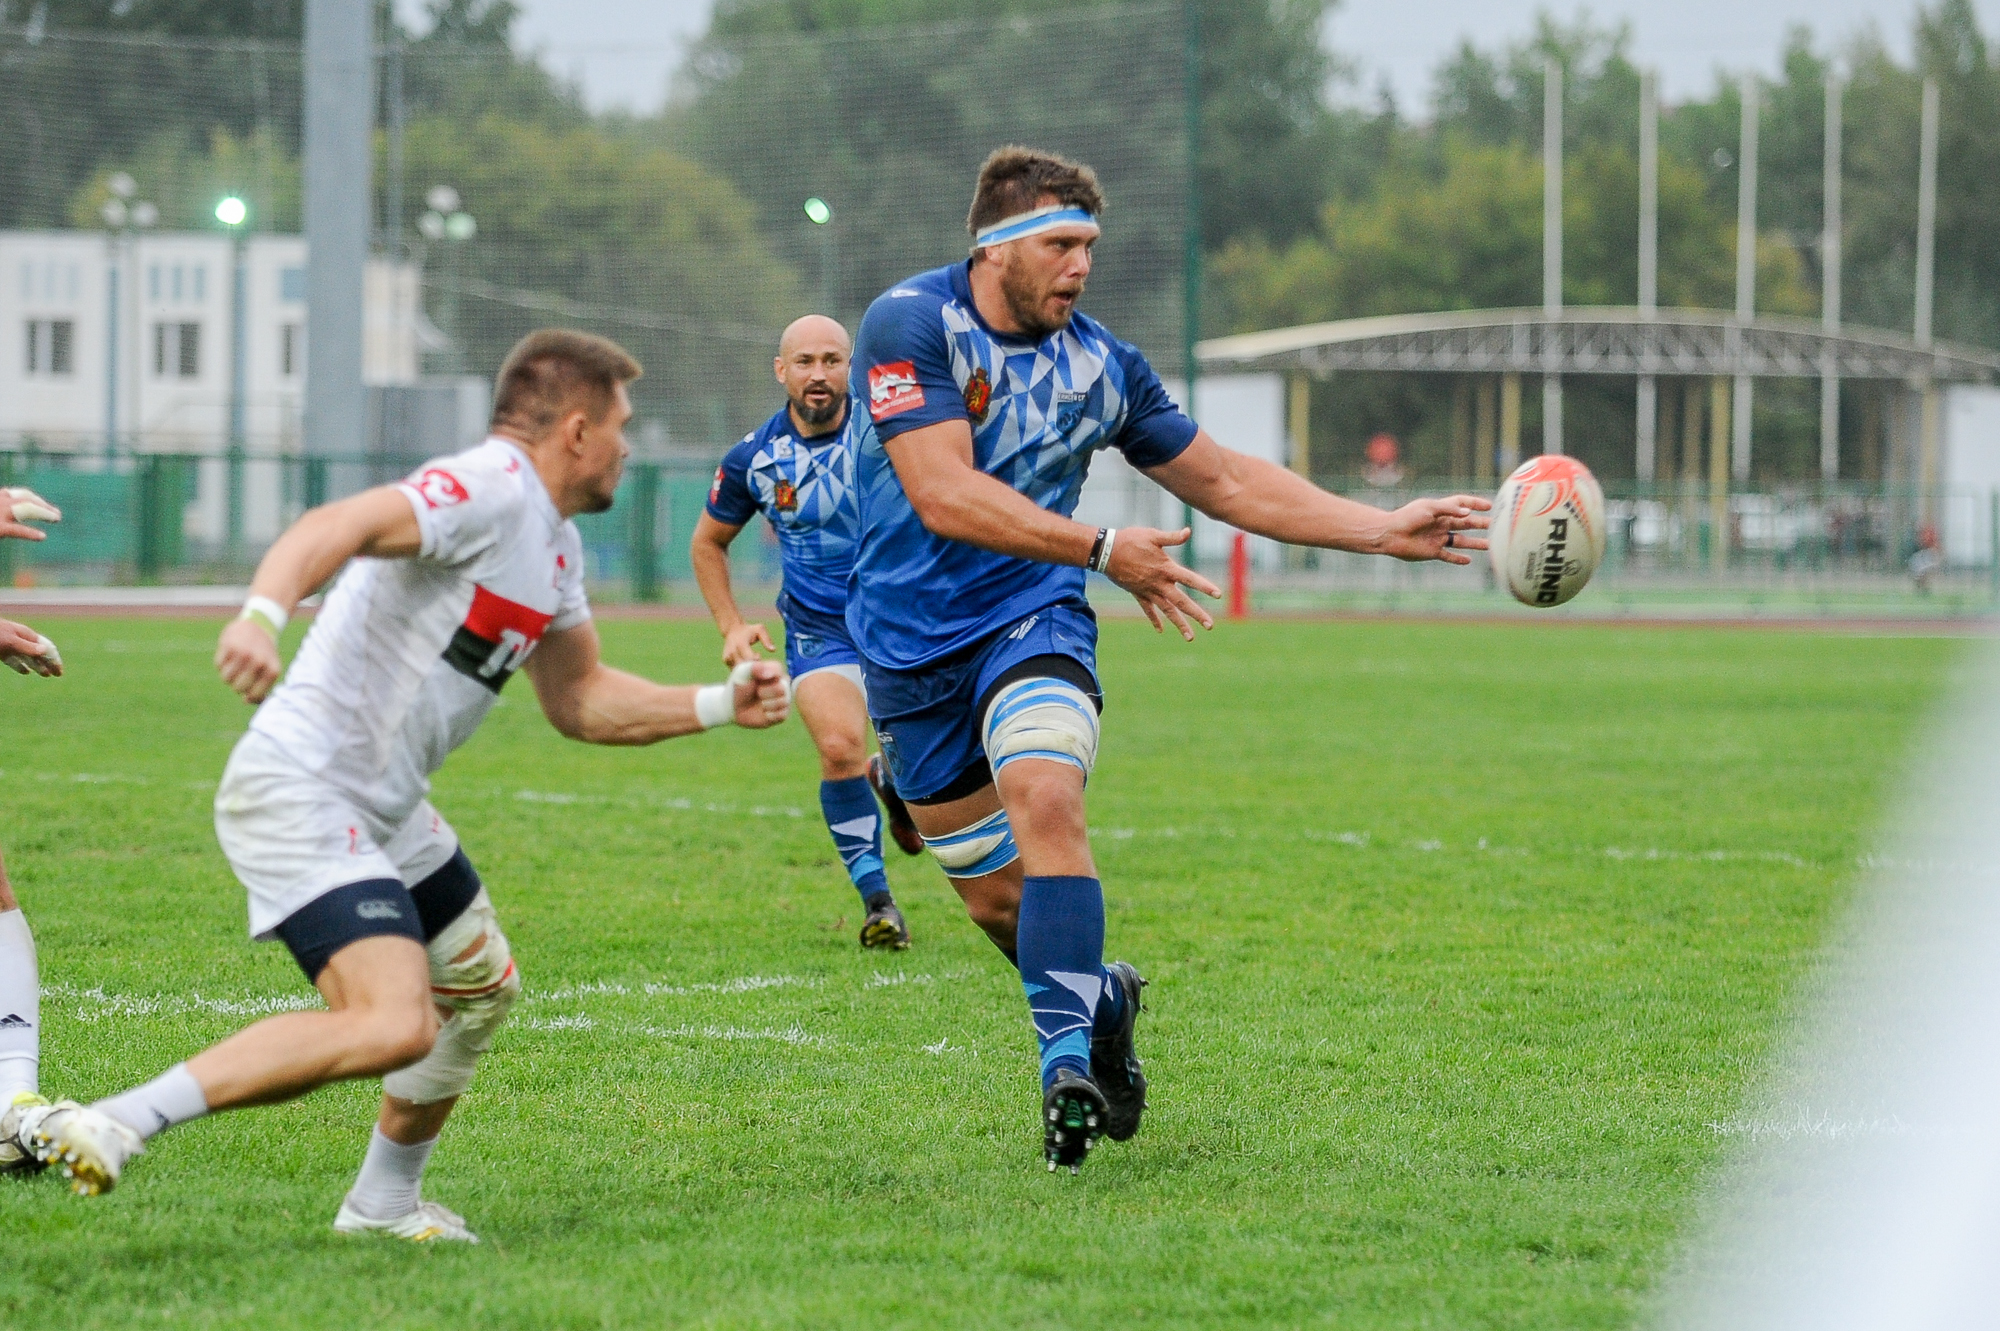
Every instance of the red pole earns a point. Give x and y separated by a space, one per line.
1239 577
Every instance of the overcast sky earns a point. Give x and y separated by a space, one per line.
624 51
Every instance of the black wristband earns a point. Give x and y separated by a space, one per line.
1095 563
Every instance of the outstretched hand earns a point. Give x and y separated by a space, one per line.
24 650
19 506
740 644
1141 565
763 696
1429 529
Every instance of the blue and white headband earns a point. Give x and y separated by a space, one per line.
1033 223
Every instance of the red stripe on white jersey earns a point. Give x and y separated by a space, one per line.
491 615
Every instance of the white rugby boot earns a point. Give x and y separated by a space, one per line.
88 1145
427 1224
17 1151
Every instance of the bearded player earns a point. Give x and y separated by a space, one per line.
461 575
26 652
988 391
798 470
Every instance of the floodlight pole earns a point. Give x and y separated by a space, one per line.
338 116
239 352
1647 411
1746 274
1829 299
1552 253
1927 155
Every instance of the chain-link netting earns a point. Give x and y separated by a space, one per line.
785 175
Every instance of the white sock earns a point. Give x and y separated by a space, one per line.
172 1097
391 1175
20 1008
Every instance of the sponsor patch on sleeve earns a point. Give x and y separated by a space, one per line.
441 489
715 490
893 390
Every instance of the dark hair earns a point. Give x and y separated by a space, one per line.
1015 179
556 370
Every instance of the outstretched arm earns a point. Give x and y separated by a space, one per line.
1259 497
709 553
375 522
588 700
956 500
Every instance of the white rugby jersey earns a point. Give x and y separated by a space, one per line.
407 655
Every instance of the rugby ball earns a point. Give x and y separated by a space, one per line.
1548 530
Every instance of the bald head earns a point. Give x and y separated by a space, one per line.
812 363
813 330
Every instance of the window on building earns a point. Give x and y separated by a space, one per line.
176 350
291 349
153 283
201 281
292 284
51 346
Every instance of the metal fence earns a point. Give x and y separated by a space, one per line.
184 518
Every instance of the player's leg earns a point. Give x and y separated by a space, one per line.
378 1019
1039 732
20 1030
318 882
474 982
835 711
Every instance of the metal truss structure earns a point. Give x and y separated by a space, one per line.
1618 340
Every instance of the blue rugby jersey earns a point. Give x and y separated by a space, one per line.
805 487
1038 410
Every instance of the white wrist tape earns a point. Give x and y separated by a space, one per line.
265 610
24 505
715 704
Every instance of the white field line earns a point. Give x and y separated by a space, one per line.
678 803
1429 845
94 1005
1804 1127
591 988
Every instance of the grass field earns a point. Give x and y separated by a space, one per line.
1464 943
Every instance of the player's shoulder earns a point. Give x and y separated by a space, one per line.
743 453
491 473
912 302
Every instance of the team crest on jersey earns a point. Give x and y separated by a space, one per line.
893 389
441 489
978 394
785 497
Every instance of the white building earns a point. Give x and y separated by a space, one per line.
132 336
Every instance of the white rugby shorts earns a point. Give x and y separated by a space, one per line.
292 837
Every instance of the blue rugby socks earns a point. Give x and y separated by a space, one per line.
1060 940
855 822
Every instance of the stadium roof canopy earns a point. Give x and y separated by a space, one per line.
1598 340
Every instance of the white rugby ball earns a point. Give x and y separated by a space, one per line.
1548 530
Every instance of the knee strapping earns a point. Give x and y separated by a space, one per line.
473 976
981 848
1045 718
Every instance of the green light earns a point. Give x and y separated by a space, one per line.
231 211
818 211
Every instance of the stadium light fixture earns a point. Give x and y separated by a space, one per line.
818 211
231 211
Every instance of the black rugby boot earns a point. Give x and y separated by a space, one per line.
1073 1115
1114 1062
884 926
